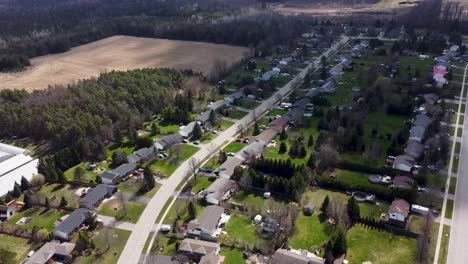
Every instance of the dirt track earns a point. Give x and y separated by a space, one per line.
119 53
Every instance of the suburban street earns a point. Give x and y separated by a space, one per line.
141 230
457 250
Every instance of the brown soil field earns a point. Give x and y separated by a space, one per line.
119 53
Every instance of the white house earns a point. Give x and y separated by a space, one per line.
15 163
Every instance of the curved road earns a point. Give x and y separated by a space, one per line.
135 243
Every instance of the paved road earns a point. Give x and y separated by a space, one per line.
457 251
135 244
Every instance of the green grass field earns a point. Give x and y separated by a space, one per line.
234 147
39 217
258 202
236 114
240 228
232 255
179 211
351 178
201 183
115 209
164 167
309 231
453 185
379 247
19 247
103 254
449 209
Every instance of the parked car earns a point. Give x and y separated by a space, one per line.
231 154
422 189
196 142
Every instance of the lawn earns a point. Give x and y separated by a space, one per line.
55 192
103 254
179 211
236 114
232 255
249 104
424 66
379 247
115 209
133 186
202 183
164 166
357 180
164 245
224 124
241 229
90 176
257 202
309 231
40 217
234 147
449 209
276 112
188 151
344 95
453 185
18 246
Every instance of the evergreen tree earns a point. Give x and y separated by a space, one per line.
60 177
154 129
302 151
47 203
282 149
149 179
27 201
283 135
192 211
354 211
328 255
24 184
325 203
16 191
63 202
311 161
79 174
256 129
212 118
310 141
197 132
339 245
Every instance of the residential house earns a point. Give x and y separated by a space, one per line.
6 212
270 226
217 191
294 115
337 69
313 92
414 149
278 124
168 141
196 249
417 133
161 259
227 168
204 117
118 174
252 151
234 97
301 103
431 98
206 226
212 258
403 182
94 197
403 163
266 135
218 105
422 120
287 256
187 131
52 252
398 212
143 155
78 218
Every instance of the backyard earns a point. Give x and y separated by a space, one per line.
129 211
19 247
106 253
41 217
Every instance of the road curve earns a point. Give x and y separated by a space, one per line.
135 243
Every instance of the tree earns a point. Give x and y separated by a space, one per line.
282 149
354 211
328 255
325 204
16 191
150 183
256 129
328 157
192 211
119 158
37 181
79 174
283 135
154 129
339 244
212 118
310 141
63 202
61 176
47 203
311 161
27 201
143 142
197 132
24 184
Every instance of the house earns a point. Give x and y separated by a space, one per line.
196 249
206 226
252 151
234 97
6 212
65 230
15 163
52 252
294 115
417 133
301 103
403 182
94 197
267 135
414 149
160 259
403 163
270 226
313 92
118 174
204 117
422 120
187 131
279 124
142 155
290 256
168 141
217 105
309 209
398 213
212 258
337 69
216 192
430 98
227 168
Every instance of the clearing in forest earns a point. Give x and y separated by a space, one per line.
119 53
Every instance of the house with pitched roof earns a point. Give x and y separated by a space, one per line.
94 197
195 249
398 213
67 228
206 226
52 252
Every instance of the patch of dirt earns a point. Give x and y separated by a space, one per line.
119 53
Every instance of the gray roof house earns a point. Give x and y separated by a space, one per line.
227 168
398 212
203 117
232 98
414 149
211 258
312 92
403 163
253 150
214 194
167 141
142 155
118 174
205 227
217 105
294 115
337 69
417 133
301 103
187 131
422 120
94 197
284 256
196 249
65 230
52 252
403 182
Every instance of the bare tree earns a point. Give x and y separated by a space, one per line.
176 150
328 157
193 167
